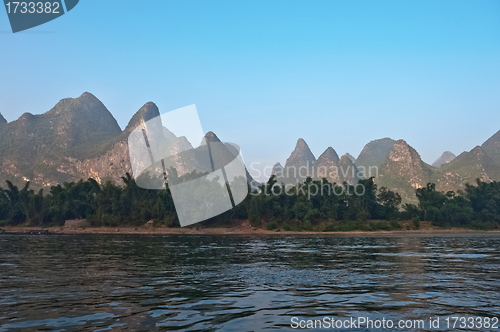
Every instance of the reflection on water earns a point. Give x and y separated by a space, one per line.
132 282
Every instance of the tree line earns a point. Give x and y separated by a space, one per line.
271 205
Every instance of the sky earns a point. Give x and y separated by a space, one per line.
264 73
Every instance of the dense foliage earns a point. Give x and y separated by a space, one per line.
312 205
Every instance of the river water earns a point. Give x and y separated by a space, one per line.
230 283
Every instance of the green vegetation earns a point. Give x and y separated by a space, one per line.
309 206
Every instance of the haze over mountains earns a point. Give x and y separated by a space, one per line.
79 139
445 158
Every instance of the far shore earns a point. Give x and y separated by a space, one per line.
240 231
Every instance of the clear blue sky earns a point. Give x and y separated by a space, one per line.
264 73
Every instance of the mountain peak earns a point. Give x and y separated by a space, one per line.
147 112
87 95
301 155
346 160
211 137
348 172
375 153
403 151
2 119
445 158
328 156
301 141
26 117
348 155
277 170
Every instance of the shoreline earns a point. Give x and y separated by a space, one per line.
238 231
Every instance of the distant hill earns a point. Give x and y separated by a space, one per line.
374 153
2 119
445 158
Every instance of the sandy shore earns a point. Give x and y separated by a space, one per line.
242 230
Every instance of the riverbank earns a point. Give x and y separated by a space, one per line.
245 230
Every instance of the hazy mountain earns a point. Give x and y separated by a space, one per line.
445 158
492 147
404 171
374 154
277 170
299 164
348 155
301 155
472 165
2 119
326 165
347 171
79 138
328 157
224 153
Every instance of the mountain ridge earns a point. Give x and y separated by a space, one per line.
79 138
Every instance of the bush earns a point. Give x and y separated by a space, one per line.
306 225
287 226
272 225
330 227
380 226
347 226
483 226
416 222
395 224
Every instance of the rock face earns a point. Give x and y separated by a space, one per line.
2 119
445 158
374 155
404 171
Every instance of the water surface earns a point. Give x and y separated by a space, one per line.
209 283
